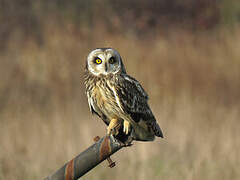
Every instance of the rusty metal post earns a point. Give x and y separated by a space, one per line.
110 162
87 160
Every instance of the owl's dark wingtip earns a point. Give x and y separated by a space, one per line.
159 134
157 130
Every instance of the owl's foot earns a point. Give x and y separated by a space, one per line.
113 127
126 127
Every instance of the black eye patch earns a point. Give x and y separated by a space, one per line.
112 60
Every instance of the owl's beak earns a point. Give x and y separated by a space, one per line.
106 67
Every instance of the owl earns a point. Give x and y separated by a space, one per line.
117 98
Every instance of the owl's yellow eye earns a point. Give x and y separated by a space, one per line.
98 61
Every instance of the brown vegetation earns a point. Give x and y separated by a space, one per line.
192 79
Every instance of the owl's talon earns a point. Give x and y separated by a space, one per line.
126 127
113 131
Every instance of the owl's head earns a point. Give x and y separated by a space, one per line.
104 61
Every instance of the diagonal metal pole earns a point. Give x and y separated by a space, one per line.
87 160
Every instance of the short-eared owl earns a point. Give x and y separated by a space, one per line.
117 98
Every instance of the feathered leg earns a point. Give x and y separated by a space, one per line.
126 127
113 127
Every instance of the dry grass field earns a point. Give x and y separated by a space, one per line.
193 80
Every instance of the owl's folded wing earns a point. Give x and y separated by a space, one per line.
133 98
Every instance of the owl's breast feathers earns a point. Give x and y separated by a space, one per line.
102 97
122 95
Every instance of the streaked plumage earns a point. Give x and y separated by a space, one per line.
118 98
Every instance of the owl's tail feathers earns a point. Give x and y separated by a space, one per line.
156 129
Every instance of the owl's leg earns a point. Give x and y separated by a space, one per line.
126 127
113 127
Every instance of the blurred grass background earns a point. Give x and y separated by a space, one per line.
185 53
